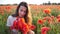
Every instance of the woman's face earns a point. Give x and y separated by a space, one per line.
22 11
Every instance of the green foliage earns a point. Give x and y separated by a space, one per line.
54 28
55 12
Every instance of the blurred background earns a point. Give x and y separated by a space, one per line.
45 14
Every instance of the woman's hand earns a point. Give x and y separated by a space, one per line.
31 32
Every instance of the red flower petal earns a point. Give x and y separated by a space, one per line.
40 21
47 11
33 27
44 30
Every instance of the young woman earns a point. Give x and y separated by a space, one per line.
22 11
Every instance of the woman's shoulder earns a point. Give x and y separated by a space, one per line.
10 17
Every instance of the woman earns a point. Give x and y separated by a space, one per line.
22 11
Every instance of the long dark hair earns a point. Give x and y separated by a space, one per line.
16 13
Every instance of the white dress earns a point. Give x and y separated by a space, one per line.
10 21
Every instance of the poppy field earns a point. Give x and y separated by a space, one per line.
46 18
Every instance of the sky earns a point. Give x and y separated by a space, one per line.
28 1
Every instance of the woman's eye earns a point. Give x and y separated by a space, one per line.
21 10
25 11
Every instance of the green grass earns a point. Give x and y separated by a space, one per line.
55 28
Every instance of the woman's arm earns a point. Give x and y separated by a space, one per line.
8 21
9 24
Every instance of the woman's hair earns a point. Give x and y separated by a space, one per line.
27 16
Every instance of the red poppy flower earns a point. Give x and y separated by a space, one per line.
58 19
58 16
44 30
32 27
49 19
47 11
8 7
40 21
24 26
52 17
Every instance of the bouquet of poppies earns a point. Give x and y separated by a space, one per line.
20 24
